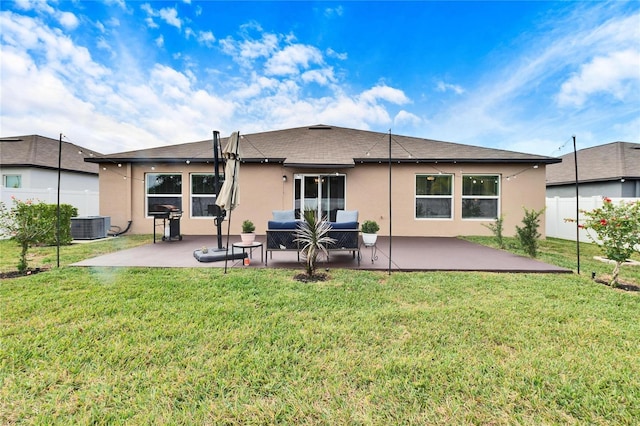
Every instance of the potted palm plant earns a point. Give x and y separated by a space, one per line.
369 230
248 235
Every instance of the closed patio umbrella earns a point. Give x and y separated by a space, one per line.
228 199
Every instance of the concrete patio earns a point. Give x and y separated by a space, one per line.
407 254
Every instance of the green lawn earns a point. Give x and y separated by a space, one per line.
196 346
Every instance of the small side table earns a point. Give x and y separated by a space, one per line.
251 246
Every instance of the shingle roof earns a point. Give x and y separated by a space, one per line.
612 161
42 152
329 146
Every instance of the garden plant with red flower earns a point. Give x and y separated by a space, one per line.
617 229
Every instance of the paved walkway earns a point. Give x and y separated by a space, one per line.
407 254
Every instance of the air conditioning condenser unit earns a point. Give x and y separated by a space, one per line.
90 227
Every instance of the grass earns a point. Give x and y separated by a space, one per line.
196 346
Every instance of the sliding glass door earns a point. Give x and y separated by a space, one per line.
322 193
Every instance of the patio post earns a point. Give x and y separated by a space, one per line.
575 160
58 202
390 221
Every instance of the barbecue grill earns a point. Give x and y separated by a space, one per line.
168 216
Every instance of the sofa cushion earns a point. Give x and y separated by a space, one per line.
347 216
275 224
284 215
344 225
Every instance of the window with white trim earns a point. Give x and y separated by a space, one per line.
163 189
12 181
203 194
434 196
480 196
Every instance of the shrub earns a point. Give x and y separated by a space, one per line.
528 235
497 227
618 230
30 223
66 213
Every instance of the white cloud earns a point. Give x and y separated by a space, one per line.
66 90
616 74
68 20
147 8
292 58
441 86
150 23
384 93
125 105
206 37
170 16
246 51
333 54
23 4
160 41
333 11
320 76
113 22
120 3
406 119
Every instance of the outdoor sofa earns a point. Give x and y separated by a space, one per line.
345 231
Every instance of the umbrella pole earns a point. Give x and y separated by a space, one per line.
216 183
226 257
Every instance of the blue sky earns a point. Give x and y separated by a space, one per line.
119 75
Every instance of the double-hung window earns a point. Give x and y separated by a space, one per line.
203 194
434 196
480 196
163 189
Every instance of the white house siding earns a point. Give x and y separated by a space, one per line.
78 190
561 208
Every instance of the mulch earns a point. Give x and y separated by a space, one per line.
621 285
18 274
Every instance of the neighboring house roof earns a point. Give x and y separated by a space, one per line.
612 161
329 146
42 152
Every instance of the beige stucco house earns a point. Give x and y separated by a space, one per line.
437 188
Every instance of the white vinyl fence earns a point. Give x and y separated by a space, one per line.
560 208
87 202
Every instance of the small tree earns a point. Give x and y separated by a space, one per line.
27 223
313 234
618 231
528 235
497 228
